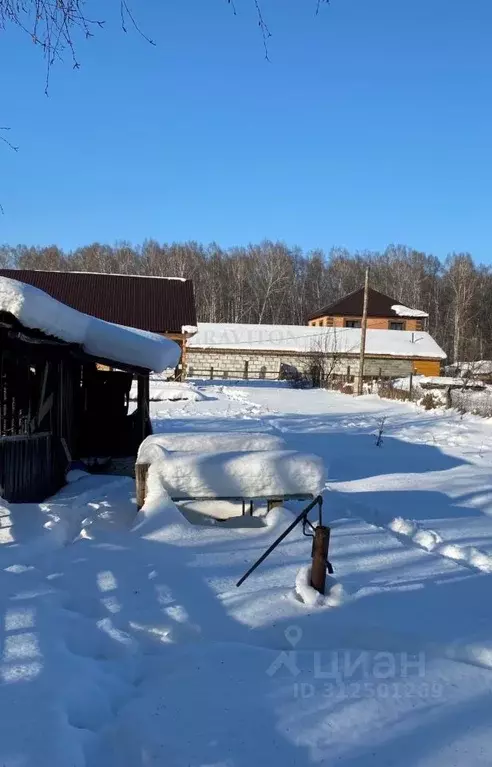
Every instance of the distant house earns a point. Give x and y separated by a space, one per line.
264 351
160 305
383 313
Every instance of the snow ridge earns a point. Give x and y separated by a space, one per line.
430 540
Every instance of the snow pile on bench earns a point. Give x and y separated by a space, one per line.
263 474
157 445
104 340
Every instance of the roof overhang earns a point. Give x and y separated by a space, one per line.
17 336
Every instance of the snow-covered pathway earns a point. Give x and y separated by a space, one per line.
133 647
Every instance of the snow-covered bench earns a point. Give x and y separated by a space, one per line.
271 475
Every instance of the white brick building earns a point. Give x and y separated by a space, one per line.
258 351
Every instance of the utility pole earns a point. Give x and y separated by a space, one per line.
363 336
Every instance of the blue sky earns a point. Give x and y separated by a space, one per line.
372 124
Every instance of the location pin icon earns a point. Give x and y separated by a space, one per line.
293 635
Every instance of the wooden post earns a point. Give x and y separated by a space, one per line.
449 400
183 358
143 397
141 471
348 374
363 332
410 388
211 372
319 565
246 366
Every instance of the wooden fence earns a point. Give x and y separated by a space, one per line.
32 467
221 373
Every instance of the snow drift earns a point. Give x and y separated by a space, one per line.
37 310
261 474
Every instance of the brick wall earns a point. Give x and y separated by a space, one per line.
373 323
231 364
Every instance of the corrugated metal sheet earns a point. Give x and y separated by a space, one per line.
156 304
378 305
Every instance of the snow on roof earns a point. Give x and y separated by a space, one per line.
456 383
115 274
405 311
298 338
479 367
105 340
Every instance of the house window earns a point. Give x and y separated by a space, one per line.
352 323
397 326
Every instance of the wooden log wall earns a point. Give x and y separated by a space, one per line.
32 467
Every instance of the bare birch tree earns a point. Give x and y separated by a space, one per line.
461 278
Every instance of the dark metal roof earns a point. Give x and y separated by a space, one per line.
378 305
157 304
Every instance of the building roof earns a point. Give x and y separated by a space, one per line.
302 339
102 340
378 305
156 304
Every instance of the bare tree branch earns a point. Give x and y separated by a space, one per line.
265 32
319 3
125 13
54 25
51 24
264 28
6 141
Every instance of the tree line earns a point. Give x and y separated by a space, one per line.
271 282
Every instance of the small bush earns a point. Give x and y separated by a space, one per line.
477 403
347 389
430 401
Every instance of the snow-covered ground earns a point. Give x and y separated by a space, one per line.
127 644
161 390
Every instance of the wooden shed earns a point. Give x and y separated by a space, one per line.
56 405
162 305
